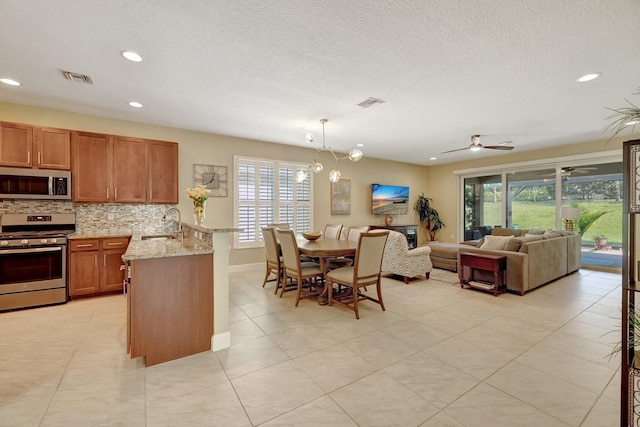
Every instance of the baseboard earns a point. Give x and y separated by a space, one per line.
246 267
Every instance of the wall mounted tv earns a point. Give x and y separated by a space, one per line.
389 199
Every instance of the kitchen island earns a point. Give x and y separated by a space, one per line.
169 298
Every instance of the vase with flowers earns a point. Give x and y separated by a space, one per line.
199 196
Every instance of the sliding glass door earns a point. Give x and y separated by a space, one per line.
589 195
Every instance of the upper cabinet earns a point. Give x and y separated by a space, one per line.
27 146
163 172
118 169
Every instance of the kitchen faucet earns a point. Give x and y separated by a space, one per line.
169 212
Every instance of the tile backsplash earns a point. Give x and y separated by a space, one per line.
90 218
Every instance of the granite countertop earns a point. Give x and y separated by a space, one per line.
163 248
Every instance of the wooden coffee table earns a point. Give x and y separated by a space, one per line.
494 263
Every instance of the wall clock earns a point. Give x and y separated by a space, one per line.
212 177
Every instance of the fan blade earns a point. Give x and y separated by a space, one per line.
457 149
499 147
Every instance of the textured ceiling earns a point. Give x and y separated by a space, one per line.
270 70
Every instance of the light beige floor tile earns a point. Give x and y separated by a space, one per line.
211 406
434 380
273 391
244 330
380 400
380 349
583 348
591 332
250 356
416 334
303 340
334 367
485 406
26 411
502 342
450 324
441 419
580 372
545 392
177 378
97 402
469 358
320 412
606 412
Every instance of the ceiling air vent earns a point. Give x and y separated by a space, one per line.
77 77
369 102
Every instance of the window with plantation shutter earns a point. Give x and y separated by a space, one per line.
266 193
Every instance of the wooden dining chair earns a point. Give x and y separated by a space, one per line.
305 274
353 235
365 272
274 260
282 225
332 231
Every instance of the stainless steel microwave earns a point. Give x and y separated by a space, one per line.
42 184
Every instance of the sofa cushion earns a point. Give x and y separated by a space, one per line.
496 243
513 245
506 232
551 234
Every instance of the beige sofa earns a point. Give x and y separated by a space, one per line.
539 259
531 261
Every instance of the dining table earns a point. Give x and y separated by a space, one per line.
323 249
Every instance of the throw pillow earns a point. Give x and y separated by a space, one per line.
514 244
496 243
534 232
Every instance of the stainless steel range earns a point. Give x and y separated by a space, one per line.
33 259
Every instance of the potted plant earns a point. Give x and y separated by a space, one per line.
428 216
601 240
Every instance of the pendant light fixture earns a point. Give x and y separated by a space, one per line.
316 166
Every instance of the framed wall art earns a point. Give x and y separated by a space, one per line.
341 197
213 177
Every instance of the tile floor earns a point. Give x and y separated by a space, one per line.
439 356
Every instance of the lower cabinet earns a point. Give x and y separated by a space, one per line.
96 266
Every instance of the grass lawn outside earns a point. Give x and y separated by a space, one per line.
541 215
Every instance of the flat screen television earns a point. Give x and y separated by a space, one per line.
389 199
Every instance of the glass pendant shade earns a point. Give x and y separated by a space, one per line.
334 175
476 148
317 167
309 137
355 155
301 175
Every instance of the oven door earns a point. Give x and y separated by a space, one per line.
30 269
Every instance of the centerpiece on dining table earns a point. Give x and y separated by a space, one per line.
199 196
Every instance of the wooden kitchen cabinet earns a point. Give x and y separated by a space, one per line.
26 146
163 172
118 169
96 266
129 170
52 148
91 167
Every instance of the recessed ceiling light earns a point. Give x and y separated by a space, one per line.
10 82
433 158
588 77
131 56
135 104
632 122
360 145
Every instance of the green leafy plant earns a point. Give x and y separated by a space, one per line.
429 216
633 341
588 218
627 117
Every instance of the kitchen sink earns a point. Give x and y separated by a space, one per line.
158 237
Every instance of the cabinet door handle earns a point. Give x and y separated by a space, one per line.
115 193
28 157
85 245
95 259
115 244
39 159
107 193
104 259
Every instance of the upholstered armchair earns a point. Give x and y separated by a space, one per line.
398 259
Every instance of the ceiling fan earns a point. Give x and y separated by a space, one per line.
476 146
567 170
